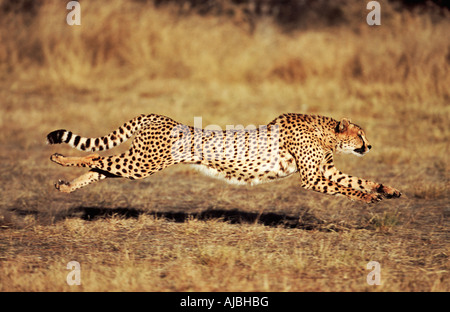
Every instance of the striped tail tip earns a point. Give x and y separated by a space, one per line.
55 137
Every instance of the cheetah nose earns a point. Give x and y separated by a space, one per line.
369 146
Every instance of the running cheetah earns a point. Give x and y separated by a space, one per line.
291 143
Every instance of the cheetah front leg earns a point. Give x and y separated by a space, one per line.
331 173
313 178
321 184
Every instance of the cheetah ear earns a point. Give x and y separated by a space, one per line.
343 125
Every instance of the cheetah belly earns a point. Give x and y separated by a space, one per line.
250 173
221 175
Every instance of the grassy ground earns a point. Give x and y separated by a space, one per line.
181 231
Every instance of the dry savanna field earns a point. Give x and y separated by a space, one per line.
181 231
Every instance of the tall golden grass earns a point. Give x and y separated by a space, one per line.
125 41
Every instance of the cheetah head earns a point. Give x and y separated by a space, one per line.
351 138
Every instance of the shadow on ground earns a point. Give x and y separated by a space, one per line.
305 220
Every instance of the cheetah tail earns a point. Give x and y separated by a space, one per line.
111 140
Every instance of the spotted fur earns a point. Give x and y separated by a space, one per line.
291 143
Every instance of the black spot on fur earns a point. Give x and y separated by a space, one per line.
380 189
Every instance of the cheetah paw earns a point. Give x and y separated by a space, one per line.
372 198
63 186
56 158
388 192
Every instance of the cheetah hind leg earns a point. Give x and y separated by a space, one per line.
86 161
89 177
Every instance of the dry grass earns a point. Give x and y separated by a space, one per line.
179 231
153 254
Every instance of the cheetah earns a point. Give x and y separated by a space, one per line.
290 143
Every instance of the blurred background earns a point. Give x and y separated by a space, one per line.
310 47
